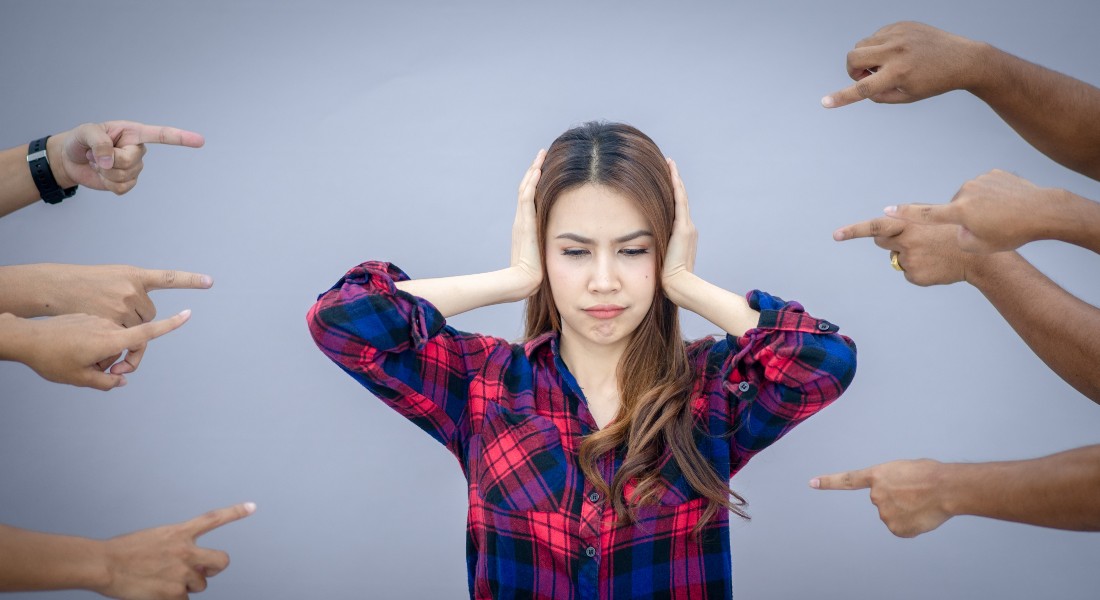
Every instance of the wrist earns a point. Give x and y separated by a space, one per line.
518 283
1077 219
986 70
952 488
678 286
15 338
92 571
55 150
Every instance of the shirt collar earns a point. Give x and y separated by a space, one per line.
532 346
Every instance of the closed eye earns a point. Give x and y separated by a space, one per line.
634 251
574 252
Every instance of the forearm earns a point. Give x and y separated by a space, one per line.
15 337
25 290
31 561
1061 490
1079 222
1060 328
725 309
17 188
461 293
1055 113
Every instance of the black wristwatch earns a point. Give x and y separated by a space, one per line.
43 174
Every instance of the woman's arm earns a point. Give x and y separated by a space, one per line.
456 295
687 290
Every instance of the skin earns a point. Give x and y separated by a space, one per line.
972 239
163 563
90 304
917 496
77 349
100 156
906 62
603 273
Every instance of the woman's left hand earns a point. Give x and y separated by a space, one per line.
680 256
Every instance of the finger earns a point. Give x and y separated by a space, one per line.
849 480
868 87
880 227
99 380
679 193
99 143
145 309
156 279
535 167
128 157
926 213
141 334
210 562
131 362
214 519
195 582
157 134
108 362
862 61
120 175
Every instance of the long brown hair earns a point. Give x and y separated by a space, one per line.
654 376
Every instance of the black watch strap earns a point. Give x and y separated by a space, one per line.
43 174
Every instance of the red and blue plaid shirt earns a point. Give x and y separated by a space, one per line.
514 417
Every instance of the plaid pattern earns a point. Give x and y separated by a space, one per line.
514 417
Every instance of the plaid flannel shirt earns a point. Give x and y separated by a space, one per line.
514 417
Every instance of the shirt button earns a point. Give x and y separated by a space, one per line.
743 386
594 496
590 551
824 326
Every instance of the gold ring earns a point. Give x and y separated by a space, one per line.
894 261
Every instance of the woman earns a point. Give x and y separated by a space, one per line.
598 453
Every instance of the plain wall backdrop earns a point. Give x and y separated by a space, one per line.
341 132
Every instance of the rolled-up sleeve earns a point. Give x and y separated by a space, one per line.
399 347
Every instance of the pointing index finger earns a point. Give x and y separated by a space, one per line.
157 279
158 134
880 227
205 523
848 480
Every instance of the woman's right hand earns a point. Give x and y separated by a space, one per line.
526 254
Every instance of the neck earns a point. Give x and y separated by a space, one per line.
592 364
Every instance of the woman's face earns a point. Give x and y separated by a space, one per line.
600 264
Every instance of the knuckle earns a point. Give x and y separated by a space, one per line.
168 278
925 212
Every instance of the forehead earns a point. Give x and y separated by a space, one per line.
594 211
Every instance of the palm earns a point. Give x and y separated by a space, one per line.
680 256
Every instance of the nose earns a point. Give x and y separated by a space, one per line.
604 278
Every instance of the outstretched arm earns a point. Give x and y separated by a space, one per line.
162 563
461 293
1059 327
916 496
906 62
999 211
100 156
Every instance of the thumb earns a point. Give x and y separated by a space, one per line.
101 381
102 147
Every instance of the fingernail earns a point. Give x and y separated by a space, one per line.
121 382
815 483
250 507
105 162
828 102
890 210
838 235
206 280
185 313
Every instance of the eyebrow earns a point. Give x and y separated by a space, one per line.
580 239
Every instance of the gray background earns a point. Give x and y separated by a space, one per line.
343 132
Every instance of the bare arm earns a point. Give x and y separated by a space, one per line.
687 290
915 496
455 295
1000 211
907 62
163 563
1060 328
100 156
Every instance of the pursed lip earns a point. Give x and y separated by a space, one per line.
605 311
